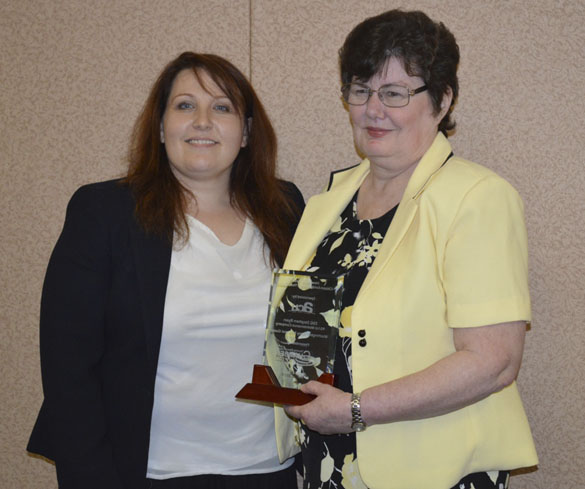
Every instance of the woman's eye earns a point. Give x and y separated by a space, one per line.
223 108
393 93
184 105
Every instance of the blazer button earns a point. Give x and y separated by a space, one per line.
363 342
362 333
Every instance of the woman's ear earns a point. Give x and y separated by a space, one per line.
446 102
246 132
162 133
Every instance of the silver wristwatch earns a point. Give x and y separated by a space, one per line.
357 422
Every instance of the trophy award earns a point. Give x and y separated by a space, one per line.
301 333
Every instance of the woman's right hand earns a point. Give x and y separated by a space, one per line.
329 413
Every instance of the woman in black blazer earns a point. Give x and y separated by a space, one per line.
202 160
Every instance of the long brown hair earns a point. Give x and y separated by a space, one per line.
161 201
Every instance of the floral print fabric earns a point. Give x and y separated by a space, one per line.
350 248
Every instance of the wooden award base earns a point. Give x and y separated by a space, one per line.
265 387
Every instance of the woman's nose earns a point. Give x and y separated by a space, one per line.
374 106
201 119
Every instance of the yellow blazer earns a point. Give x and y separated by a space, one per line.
454 256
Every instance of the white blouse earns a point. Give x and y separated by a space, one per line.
213 334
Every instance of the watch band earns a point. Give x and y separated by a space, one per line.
357 422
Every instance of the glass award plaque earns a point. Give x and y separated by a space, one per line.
301 334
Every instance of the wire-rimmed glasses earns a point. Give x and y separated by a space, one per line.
390 95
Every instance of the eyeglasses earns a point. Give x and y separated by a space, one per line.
390 95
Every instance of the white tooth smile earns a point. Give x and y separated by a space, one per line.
201 141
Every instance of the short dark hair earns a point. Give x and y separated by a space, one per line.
161 201
426 48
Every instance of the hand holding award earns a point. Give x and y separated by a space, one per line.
301 333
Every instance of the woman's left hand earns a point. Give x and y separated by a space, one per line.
329 413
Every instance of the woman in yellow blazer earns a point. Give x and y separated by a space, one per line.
433 248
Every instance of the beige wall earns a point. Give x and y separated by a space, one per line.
74 75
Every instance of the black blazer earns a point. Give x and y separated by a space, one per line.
100 330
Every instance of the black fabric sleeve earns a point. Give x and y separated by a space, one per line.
72 341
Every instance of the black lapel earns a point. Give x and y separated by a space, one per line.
152 258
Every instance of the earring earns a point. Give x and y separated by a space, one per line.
162 134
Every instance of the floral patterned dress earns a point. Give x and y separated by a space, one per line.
350 248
